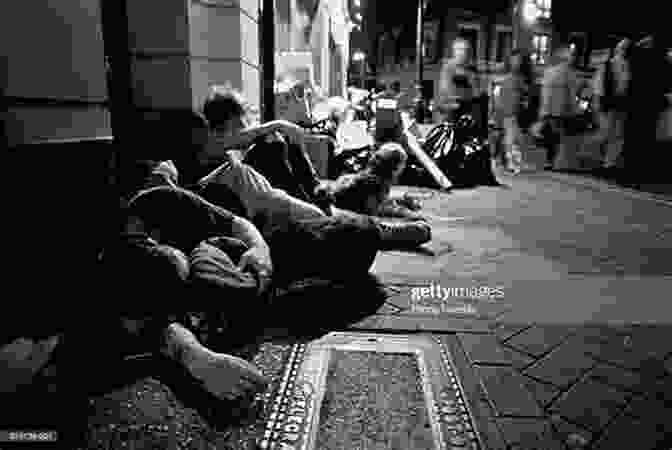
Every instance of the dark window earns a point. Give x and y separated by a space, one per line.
541 44
428 88
504 39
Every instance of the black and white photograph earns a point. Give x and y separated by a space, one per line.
336 225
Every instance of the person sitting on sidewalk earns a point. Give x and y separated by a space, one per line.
29 348
368 192
303 240
256 184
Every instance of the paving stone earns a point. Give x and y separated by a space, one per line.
544 393
507 394
539 340
454 325
431 324
616 377
629 433
590 404
504 332
604 333
573 436
588 343
660 388
529 434
651 409
518 360
627 347
562 366
654 340
618 355
483 349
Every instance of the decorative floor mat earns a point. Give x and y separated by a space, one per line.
369 391
345 391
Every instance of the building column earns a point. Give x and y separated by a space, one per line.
522 31
325 54
182 48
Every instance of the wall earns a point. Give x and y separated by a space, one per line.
224 47
56 83
55 70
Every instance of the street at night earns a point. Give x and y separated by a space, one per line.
336 225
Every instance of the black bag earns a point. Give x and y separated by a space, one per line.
462 156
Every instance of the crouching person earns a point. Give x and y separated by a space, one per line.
177 249
368 192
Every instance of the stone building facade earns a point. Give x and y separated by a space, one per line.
56 77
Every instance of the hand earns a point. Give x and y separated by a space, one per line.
258 260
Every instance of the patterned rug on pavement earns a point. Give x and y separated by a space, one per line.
342 391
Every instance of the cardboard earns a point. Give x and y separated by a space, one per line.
427 162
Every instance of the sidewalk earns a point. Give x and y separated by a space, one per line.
551 382
581 383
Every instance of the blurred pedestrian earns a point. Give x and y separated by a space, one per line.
457 83
516 104
646 101
559 107
611 90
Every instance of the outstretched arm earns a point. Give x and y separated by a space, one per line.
243 139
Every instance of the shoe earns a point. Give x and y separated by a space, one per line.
224 376
404 235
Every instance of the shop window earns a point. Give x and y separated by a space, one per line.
541 44
544 7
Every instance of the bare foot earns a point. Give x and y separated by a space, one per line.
224 376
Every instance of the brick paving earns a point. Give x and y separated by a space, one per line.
594 386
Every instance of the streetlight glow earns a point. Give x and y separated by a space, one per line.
358 56
531 11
